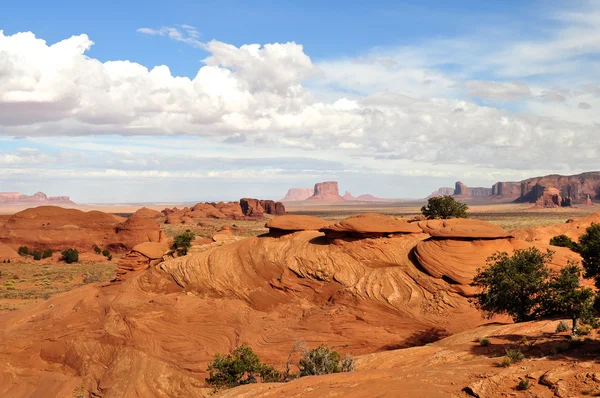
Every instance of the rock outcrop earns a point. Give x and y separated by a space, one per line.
38 198
578 187
295 223
297 194
141 257
550 198
148 213
348 196
369 225
245 209
56 228
506 189
7 253
326 191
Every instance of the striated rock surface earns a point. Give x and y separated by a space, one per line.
296 194
462 228
141 257
326 191
154 333
461 190
245 209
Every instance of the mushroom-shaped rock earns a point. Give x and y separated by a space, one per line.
293 223
460 228
369 225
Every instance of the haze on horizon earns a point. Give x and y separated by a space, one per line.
186 102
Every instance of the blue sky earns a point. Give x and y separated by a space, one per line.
392 98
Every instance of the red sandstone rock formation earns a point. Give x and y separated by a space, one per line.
294 223
148 213
296 194
141 257
550 198
56 228
461 190
506 189
326 191
578 187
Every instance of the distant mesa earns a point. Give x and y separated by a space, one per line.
327 191
39 198
581 188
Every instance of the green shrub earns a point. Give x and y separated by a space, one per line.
23 251
109 257
322 360
506 362
444 207
70 256
183 242
514 355
97 250
37 255
584 330
523 385
589 244
563 327
564 241
105 253
47 253
240 366
484 342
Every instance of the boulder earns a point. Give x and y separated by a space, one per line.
272 207
141 257
252 208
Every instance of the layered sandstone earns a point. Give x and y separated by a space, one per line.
141 257
245 209
550 198
462 190
295 223
360 296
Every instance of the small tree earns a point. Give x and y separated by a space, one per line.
97 250
23 250
70 256
589 244
323 360
240 366
564 241
105 253
444 207
47 253
513 285
183 242
37 255
565 295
